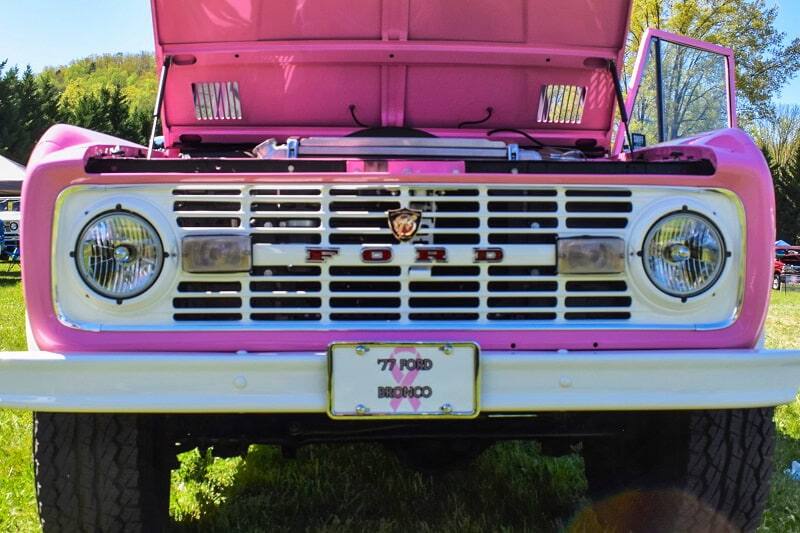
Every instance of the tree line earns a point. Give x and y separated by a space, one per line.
111 93
115 93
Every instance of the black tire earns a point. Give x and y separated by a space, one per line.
776 282
100 472
704 471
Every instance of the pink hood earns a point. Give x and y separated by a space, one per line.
245 70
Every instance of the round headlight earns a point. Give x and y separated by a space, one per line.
119 255
683 254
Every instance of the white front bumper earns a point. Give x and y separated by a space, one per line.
297 382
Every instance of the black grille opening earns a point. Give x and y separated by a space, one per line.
365 192
206 303
285 286
286 317
285 206
362 238
598 193
274 222
284 302
365 286
208 222
456 223
447 207
365 317
209 286
340 302
286 238
522 238
206 192
522 271
207 317
599 207
598 301
523 222
522 316
443 316
282 270
444 286
525 301
597 316
523 286
285 192
364 271
445 302
369 207
597 286
193 205
444 192
523 207
522 192
455 271
456 238
360 223
597 223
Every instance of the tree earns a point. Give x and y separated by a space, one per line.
765 61
28 106
779 138
108 112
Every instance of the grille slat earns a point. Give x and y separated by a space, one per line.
335 293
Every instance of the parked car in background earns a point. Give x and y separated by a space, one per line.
408 222
10 218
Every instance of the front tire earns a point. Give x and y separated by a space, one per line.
704 471
100 472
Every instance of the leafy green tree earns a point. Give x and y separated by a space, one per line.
28 106
779 138
765 60
108 111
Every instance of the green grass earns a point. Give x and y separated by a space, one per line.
363 487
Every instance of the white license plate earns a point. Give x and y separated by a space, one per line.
403 380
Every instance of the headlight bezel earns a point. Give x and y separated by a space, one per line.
724 252
84 277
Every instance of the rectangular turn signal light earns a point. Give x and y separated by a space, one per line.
216 253
591 255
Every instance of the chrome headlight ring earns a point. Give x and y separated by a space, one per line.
684 254
119 255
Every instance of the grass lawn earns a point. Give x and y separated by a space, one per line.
363 487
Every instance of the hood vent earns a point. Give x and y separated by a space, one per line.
562 104
217 100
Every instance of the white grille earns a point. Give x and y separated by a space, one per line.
284 291
284 221
217 100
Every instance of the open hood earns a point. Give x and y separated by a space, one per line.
246 70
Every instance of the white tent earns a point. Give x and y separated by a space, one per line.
11 176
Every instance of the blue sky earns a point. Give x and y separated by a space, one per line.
54 32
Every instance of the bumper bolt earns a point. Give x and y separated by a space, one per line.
447 349
361 349
446 409
362 409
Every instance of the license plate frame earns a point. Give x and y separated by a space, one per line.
380 411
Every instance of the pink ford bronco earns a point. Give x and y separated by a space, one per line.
427 222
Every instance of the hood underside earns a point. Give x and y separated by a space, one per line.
246 70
